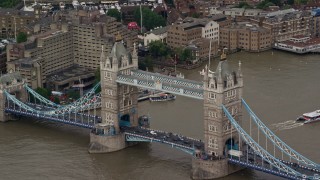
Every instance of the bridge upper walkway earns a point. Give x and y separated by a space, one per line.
174 85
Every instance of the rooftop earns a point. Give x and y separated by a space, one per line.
10 12
310 42
72 72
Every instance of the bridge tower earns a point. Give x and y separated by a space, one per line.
118 101
13 84
222 87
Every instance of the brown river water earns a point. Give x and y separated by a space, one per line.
279 87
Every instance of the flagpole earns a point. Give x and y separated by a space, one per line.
141 20
209 54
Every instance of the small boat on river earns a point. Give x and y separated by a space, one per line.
309 117
162 97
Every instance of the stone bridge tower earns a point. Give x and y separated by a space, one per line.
222 87
13 84
118 101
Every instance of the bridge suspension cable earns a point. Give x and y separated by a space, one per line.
87 105
278 142
259 150
39 97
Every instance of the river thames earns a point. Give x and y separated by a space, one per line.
278 86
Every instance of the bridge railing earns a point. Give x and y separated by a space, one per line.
259 150
278 142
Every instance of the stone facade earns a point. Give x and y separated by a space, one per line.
245 36
73 38
222 87
189 29
286 24
11 19
119 102
13 84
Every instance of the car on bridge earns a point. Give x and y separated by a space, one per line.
153 133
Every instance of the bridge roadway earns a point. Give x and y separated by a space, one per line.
249 159
174 140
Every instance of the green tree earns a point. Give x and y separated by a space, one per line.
149 63
150 18
290 2
186 55
73 94
56 100
195 15
9 3
244 5
287 6
43 92
114 13
21 37
158 48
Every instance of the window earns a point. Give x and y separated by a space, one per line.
212 95
109 92
212 114
109 118
213 143
107 75
213 128
109 105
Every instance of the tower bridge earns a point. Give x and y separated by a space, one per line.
227 146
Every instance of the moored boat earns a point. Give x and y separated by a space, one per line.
163 97
309 117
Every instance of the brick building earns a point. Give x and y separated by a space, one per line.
245 36
286 24
181 33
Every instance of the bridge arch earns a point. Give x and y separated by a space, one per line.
125 120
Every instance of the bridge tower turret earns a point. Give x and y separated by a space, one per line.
222 87
13 84
118 101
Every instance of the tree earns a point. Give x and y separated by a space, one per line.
195 15
186 55
56 100
158 48
149 63
21 37
290 2
43 92
244 5
9 3
73 94
114 13
150 18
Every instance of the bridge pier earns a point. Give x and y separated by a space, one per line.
212 169
105 143
103 139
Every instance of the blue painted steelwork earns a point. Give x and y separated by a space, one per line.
266 170
43 116
266 156
169 84
259 150
130 137
278 142
39 97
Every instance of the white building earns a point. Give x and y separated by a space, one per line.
158 34
299 44
211 30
